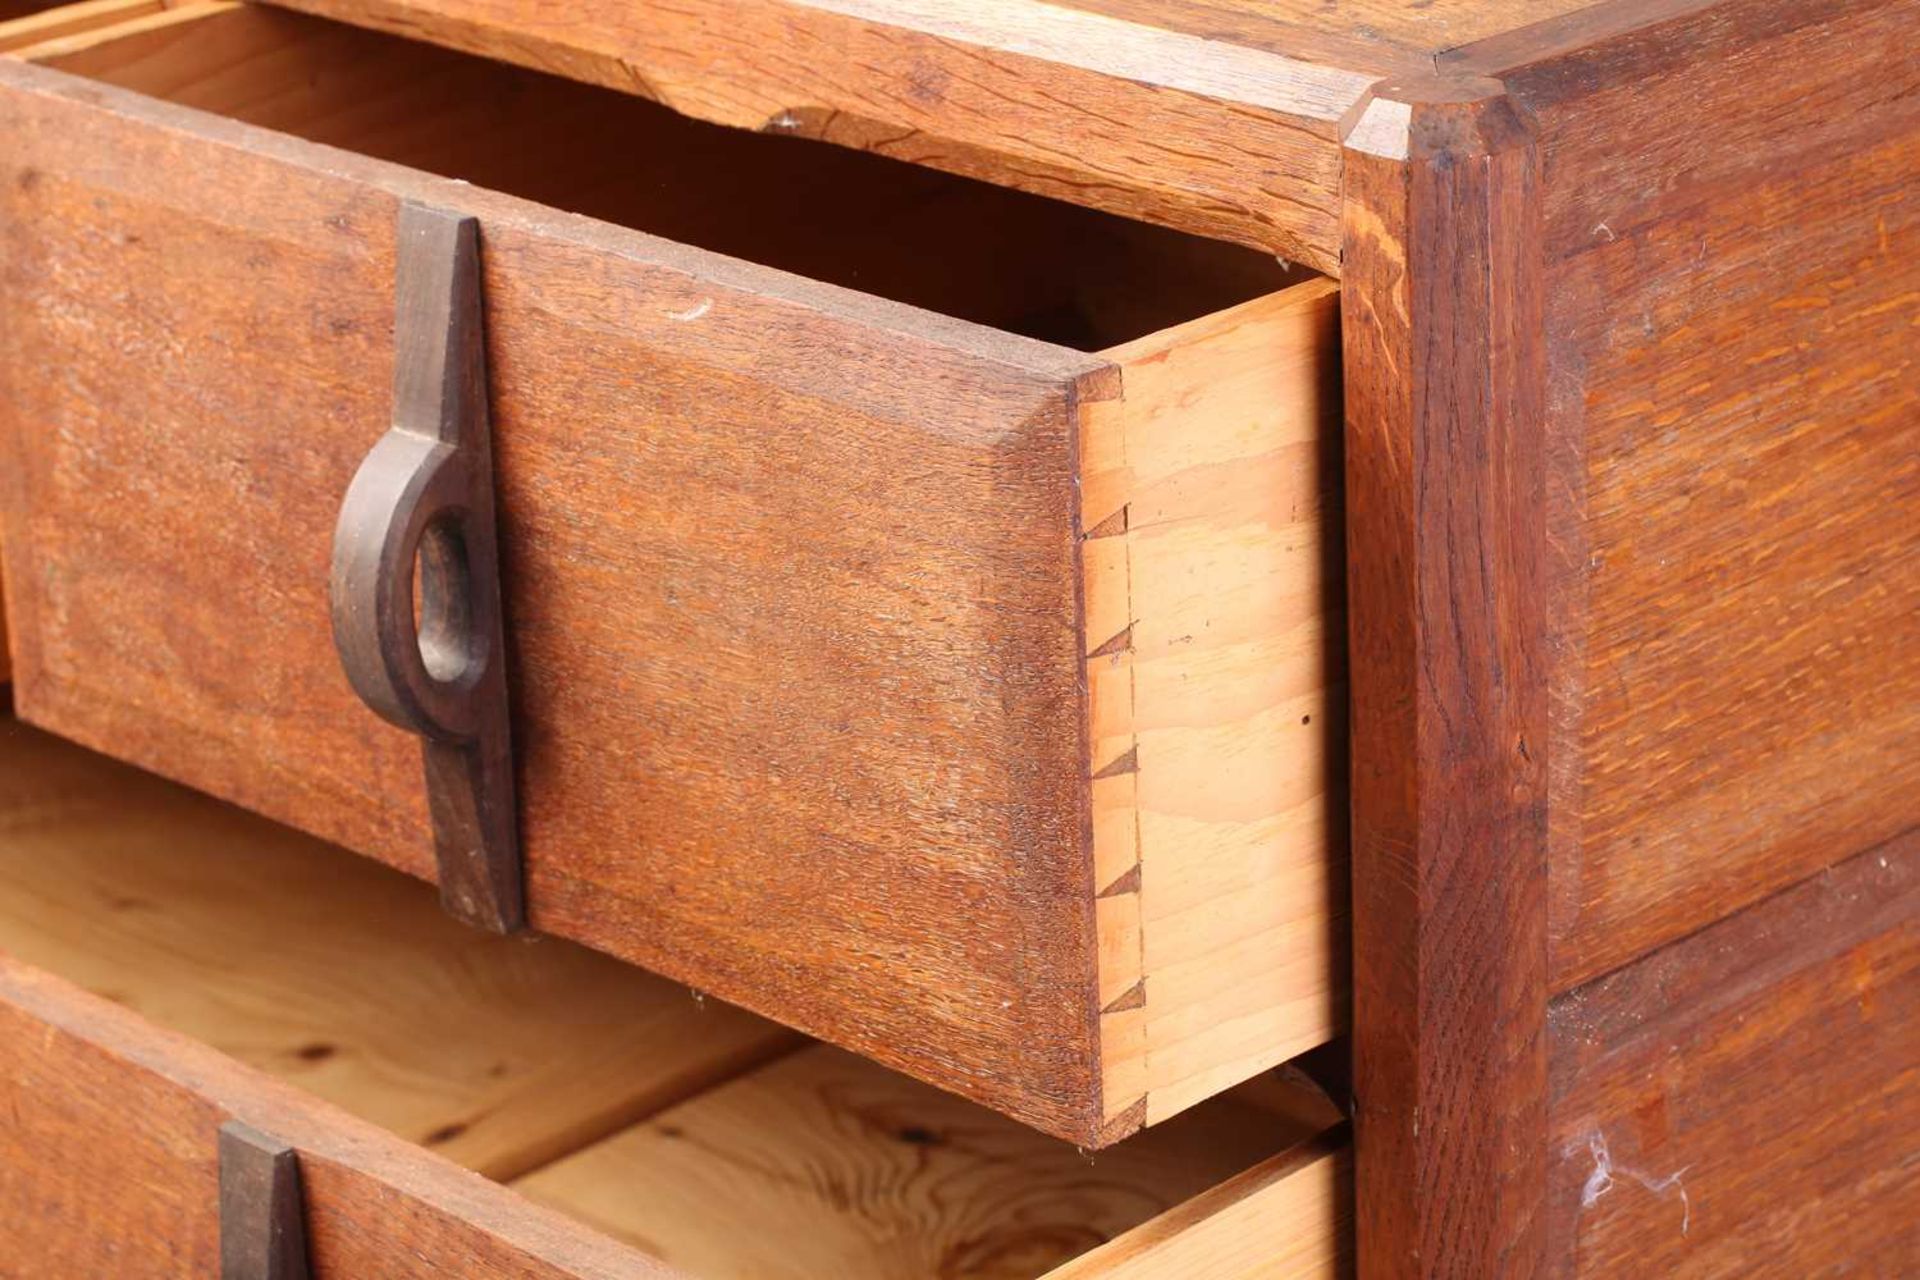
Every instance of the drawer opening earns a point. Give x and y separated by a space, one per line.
1033 266
687 1128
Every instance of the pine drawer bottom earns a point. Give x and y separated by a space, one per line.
171 963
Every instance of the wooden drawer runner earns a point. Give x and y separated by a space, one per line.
324 1001
953 687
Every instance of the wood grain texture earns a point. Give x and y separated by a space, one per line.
1746 1102
1288 1217
1211 593
847 1170
337 974
1734 311
766 748
1445 530
1126 116
1710 567
108 1164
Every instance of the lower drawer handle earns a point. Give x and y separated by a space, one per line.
436 664
263 1232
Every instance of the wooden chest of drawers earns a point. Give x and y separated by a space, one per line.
969 550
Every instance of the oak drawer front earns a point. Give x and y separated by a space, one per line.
862 660
110 1164
675 1130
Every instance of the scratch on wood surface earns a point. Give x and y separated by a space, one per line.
1606 1172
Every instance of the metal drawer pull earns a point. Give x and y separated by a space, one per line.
263 1231
425 495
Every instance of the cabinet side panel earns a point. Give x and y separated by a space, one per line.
1734 363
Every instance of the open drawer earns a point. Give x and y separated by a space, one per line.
629 1119
940 669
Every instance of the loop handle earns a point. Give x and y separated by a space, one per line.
424 497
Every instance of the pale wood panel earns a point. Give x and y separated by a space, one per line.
823 1164
336 973
1288 1218
1216 690
18 32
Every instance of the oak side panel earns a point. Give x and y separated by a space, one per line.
1705 685
1167 126
1746 1101
1734 338
337 974
1209 492
1446 502
791 575
108 1164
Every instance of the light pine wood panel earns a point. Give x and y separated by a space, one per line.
35 24
822 1164
338 974
1287 1218
108 1164
1215 687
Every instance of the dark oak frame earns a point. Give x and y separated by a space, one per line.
1467 518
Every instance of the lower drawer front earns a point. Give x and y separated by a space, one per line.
211 966
955 695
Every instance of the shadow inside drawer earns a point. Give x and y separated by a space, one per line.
1042 268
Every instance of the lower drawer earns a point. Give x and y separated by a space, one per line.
212 966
